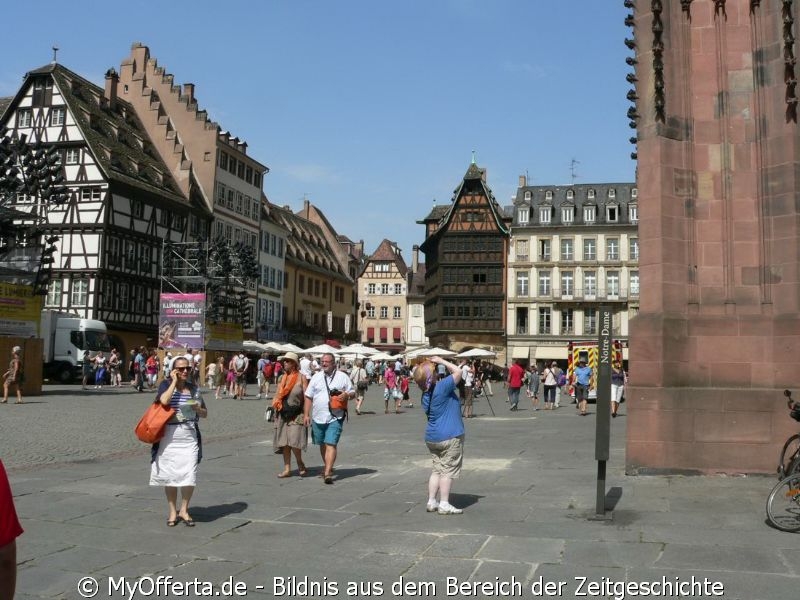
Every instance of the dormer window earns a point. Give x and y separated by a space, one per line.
544 214
589 214
591 194
548 195
523 214
567 214
570 194
612 193
528 196
633 213
612 213
634 193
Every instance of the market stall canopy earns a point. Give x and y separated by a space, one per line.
382 356
323 349
290 348
415 352
477 353
437 352
358 349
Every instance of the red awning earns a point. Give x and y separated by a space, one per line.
396 334
383 334
370 334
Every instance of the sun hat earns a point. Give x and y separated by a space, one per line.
290 356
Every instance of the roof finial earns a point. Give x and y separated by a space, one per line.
473 157
55 52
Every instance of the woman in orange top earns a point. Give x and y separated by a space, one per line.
290 433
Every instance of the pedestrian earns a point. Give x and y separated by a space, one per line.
10 530
360 379
87 368
260 375
219 381
532 389
100 361
549 378
390 389
140 368
166 368
467 382
516 374
14 376
176 456
444 434
291 433
240 364
583 378
617 387
113 368
151 368
326 426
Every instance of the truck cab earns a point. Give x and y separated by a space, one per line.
66 339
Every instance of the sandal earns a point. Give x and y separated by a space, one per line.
328 479
173 522
301 470
284 474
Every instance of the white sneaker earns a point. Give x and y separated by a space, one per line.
448 509
433 506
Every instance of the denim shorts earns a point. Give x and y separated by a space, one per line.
326 433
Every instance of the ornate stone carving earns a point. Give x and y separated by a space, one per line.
719 7
789 61
685 6
658 61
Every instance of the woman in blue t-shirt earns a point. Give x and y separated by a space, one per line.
444 434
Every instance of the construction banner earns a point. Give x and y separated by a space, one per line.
181 320
20 310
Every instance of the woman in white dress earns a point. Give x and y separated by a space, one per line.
177 454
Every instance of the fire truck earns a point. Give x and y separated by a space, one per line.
588 350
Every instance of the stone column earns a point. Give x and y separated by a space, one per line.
718 334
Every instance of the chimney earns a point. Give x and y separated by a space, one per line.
523 181
306 207
415 258
188 91
110 94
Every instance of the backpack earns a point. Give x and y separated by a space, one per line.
269 369
562 379
239 364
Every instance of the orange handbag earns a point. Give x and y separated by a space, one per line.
150 428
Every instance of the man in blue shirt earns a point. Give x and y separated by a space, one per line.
583 377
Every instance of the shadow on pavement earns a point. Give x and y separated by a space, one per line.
206 514
464 500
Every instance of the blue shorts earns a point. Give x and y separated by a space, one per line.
326 433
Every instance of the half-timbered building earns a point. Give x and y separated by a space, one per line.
123 200
465 247
382 289
195 147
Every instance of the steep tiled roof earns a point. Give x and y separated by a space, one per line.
306 244
116 136
416 286
387 251
584 194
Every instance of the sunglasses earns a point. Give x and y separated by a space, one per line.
183 368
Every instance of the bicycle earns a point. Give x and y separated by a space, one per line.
789 461
783 502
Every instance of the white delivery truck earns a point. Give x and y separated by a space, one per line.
66 338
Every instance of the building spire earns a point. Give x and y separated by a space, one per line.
473 157
55 53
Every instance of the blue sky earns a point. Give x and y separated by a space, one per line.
371 108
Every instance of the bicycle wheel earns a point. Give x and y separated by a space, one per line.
790 453
783 504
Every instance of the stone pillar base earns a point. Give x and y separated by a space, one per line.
703 430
